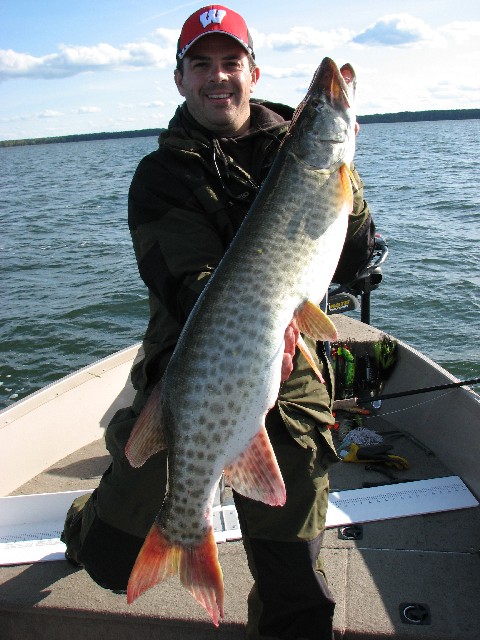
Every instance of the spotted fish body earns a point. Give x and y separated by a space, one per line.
224 376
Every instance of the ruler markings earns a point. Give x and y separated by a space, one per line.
345 507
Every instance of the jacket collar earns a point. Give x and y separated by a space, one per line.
183 128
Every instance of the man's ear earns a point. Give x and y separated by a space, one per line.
179 82
255 79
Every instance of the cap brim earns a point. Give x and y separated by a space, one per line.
181 54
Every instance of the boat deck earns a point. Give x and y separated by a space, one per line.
395 561
429 560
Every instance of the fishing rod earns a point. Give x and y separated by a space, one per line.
411 392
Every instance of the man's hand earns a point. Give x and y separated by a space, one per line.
291 338
348 77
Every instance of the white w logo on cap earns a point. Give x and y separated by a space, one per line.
213 15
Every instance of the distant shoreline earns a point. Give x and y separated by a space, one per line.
377 118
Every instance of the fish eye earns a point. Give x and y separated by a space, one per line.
318 104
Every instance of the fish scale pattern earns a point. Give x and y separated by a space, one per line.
269 276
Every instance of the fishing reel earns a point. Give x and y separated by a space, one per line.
356 294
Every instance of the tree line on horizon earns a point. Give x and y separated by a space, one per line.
377 118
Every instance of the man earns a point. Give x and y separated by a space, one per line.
187 201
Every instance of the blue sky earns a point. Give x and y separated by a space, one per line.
71 66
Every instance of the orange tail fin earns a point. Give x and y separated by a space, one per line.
197 566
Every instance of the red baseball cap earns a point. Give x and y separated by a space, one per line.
214 19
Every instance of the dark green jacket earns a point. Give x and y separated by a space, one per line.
187 200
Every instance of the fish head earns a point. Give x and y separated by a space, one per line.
322 130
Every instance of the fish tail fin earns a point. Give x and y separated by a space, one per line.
157 560
201 574
197 566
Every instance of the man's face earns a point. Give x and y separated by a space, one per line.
217 83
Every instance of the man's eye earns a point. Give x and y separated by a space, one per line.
199 64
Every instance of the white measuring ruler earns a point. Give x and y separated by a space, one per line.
30 526
398 500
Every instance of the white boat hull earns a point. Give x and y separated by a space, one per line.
65 416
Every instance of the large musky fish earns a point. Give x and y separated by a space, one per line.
225 373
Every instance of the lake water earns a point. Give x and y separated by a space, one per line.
71 292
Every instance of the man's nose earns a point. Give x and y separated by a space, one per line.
218 73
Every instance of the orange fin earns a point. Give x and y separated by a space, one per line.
348 179
314 323
197 566
309 358
256 474
148 435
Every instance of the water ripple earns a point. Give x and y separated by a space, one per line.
70 284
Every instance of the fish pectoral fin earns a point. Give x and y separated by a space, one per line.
197 567
309 358
255 473
148 435
353 182
313 322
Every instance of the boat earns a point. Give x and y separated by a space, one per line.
401 549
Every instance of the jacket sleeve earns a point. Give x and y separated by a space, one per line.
360 238
175 237
179 232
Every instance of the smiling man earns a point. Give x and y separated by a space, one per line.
216 75
216 78
187 201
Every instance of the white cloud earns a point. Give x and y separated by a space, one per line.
49 113
72 60
83 110
15 64
168 36
301 39
462 31
395 30
300 71
400 29
147 54
153 104
464 93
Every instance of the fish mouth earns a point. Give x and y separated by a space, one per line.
329 85
336 84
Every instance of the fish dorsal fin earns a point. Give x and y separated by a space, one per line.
313 322
148 435
255 473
